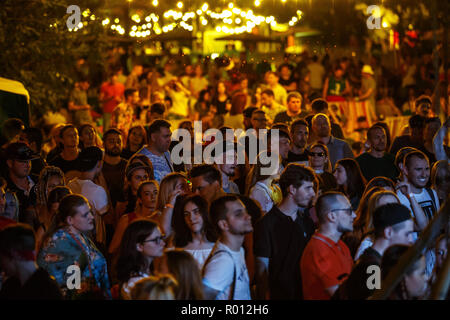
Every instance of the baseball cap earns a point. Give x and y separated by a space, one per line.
20 151
136 166
389 214
89 157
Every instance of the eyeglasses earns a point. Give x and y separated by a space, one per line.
317 154
156 240
348 211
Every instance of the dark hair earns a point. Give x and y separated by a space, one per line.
373 128
182 233
248 111
253 209
66 127
12 127
67 208
111 131
56 195
185 269
34 135
294 175
209 172
298 122
129 92
400 156
130 261
218 209
362 213
18 237
282 133
416 122
144 136
319 105
417 153
355 180
158 108
156 126
380 182
268 92
238 103
386 131
324 203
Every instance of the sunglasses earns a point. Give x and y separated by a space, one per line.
156 240
317 154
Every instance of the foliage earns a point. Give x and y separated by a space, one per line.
39 51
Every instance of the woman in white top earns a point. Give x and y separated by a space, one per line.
193 231
142 242
261 186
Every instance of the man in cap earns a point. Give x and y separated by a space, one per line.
19 180
91 160
393 225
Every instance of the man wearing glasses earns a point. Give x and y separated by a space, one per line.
326 261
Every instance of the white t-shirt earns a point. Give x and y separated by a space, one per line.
220 270
200 255
95 194
424 201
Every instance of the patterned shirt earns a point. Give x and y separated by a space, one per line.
162 165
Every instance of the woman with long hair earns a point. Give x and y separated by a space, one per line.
66 244
137 138
172 186
235 118
186 271
220 98
414 282
192 228
88 136
350 180
160 287
320 162
376 200
260 186
147 194
49 178
142 242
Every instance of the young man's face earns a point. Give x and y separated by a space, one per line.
229 165
417 172
19 168
321 127
238 220
378 139
113 145
304 195
162 139
294 105
266 99
70 138
259 121
272 79
284 145
299 136
204 188
345 215
404 235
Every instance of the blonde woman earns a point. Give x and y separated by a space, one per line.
261 187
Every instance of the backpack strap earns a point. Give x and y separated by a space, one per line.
208 260
431 194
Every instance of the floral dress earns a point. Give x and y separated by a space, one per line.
64 249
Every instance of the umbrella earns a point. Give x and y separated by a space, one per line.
248 37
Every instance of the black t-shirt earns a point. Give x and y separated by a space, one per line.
220 105
282 240
327 182
40 286
65 165
374 167
27 202
127 154
115 176
355 286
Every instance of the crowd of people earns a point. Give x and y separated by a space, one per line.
98 207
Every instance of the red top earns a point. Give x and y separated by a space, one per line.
111 91
324 264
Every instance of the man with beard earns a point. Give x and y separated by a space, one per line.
337 148
206 181
225 274
281 235
227 163
413 192
377 162
299 133
294 110
326 260
157 150
113 165
91 159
